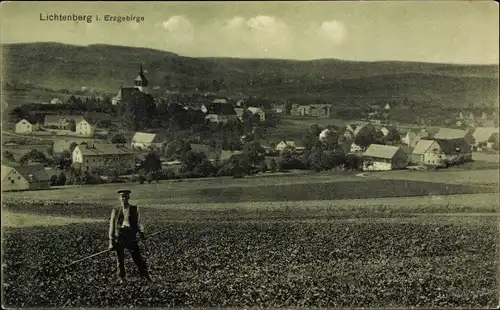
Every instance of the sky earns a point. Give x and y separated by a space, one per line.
430 31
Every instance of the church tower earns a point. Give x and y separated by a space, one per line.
141 82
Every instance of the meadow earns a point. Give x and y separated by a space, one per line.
319 240
281 256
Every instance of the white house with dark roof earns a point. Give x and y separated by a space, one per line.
144 140
95 157
24 177
483 134
384 157
259 112
441 152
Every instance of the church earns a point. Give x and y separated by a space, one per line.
140 85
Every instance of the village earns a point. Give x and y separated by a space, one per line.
233 138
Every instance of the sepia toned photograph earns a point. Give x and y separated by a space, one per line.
294 155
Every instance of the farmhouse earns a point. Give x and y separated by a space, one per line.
56 121
144 140
25 127
95 157
450 133
24 177
285 144
259 112
84 127
441 152
483 134
219 113
384 157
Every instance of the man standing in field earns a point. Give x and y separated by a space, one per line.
124 226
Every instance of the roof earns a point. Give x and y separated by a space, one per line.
219 100
104 149
144 137
24 120
361 127
239 111
381 151
288 142
255 110
422 146
220 109
126 92
450 133
37 172
450 146
483 134
494 137
51 118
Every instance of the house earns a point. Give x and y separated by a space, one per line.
450 133
56 121
280 109
25 177
441 152
320 110
93 158
219 113
144 140
384 131
239 113
63 143
303 110
384 157
493 141
365 129
56 101
285 144
84 126
25 127
220 100
387 107
482 134
259 112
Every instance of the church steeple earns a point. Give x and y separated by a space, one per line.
140 81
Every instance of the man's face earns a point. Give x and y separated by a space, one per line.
124 198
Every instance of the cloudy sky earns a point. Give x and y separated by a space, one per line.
431 31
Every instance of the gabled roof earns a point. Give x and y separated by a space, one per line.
450 133
451 146
35 173
381 151
144 137
482 134
494 138
287 142
53 119
361 127
126 92
104 149
25 121
255 110
423 145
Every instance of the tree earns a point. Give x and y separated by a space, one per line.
63 160
254 151
34 156
7 155
118 139
61 180
72 125
273 165
364 138
393 136
152 162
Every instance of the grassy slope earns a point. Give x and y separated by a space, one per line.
107 67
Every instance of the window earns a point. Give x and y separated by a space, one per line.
12 181
19 178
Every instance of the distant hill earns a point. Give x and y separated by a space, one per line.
106 68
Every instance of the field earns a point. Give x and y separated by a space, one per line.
294 241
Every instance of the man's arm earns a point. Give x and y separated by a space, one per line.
140 228
112 235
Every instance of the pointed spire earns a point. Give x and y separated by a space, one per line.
141 71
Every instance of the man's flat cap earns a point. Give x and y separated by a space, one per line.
123 191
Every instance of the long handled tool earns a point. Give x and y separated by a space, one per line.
105 251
